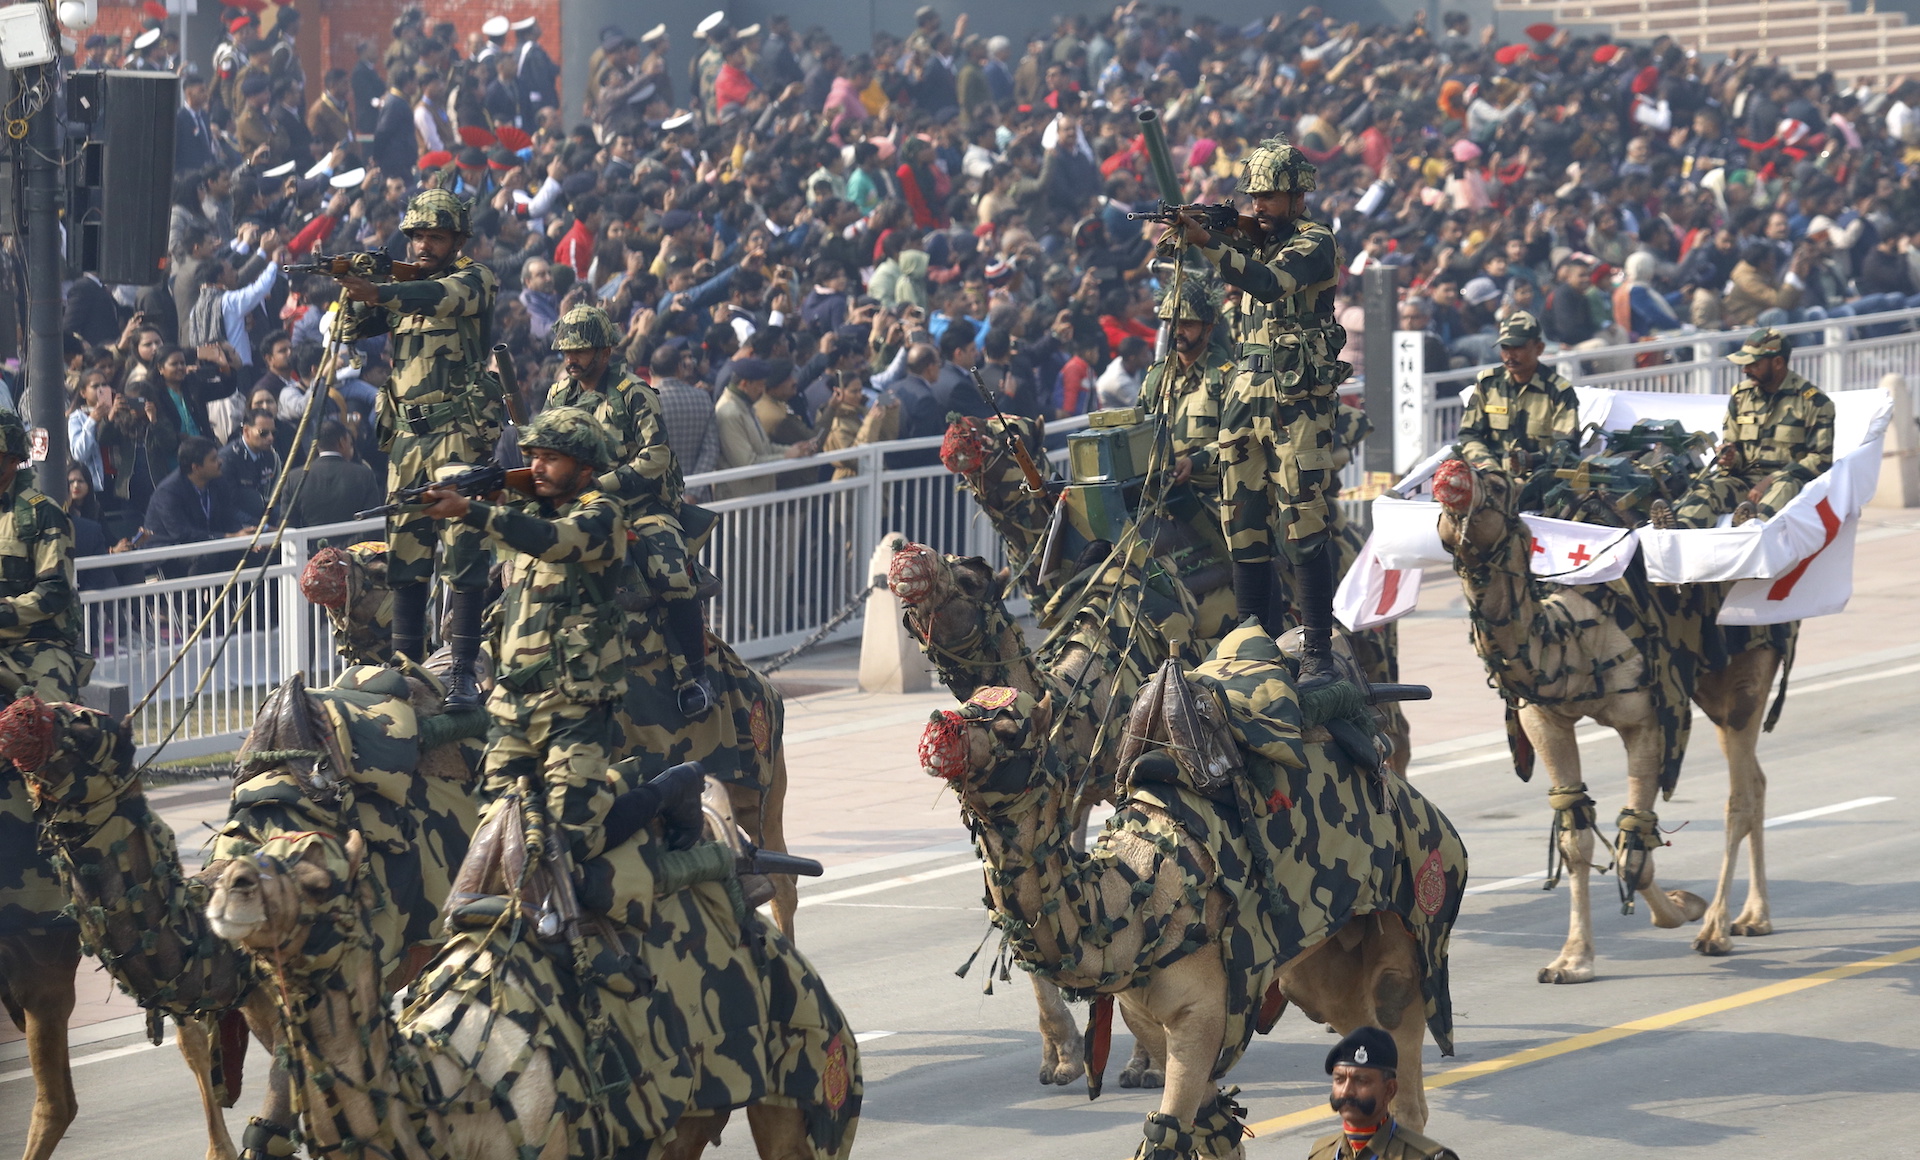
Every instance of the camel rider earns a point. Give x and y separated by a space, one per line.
39 602
1189 385
1519 409
1362 1066
1777 439
560 650
441 406
646 480
1276 424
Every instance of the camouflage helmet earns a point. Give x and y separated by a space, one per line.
584 328
436 209
1195 302
1277 166
13 436
572 432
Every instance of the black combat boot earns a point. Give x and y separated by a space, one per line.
410 621
1253 594
1313 583
689 635
465 607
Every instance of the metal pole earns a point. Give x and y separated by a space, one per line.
46 382
1379 299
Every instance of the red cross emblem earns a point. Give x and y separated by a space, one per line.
1535 541
1579 555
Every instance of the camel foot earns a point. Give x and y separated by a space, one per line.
1140 1073
1712 944
1567 973
1690 905
1064 1068
1751 927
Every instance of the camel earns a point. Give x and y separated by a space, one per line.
36 986
141 915
694 1007
1197 906
1617 654
739 741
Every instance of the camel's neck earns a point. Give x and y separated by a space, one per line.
1026 841
1498 581
975 644
357 1079
137 910
1014 511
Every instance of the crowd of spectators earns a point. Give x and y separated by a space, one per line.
809 245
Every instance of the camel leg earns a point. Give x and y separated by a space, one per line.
1367 976
1735 700
1063 1053
1667 908
196 1044
36 976
1189 1000
1148 1067
1553 739
692 1132
779 1132
275 1120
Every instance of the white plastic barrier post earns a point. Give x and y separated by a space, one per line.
1900 461
890 660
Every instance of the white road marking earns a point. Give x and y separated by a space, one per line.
889 883
1503 883
870 1036
96 1057
1823 811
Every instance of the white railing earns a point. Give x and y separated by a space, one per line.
787 560
1838 354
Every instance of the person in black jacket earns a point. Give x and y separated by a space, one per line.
249 465
337 487
192 503
194 145
91 311
394 144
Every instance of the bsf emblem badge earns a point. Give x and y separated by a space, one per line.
759 725
835 1077
1430 885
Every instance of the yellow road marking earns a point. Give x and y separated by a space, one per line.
1620 1031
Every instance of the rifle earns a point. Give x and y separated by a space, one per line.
373 265
481 480
1035 481
1221 217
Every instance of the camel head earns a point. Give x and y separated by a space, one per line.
1475 506
295 895
29 733
989 749
351 584
968 446
954 607
73 760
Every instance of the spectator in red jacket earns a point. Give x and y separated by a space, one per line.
576 247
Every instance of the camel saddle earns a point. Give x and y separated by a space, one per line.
1177 733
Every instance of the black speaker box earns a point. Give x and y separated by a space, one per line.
124 178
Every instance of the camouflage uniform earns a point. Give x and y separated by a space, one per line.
1193 391
1784 437
39 602
648 485
441 406
560 653
1503 417
1276 426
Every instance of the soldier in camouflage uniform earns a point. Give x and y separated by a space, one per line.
39 602
647 482
1276 426
1188 386
440 407
1519 409
1778 438
561 652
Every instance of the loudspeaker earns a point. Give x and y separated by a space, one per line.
124 175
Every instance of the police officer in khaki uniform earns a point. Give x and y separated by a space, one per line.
39 602
1519 409
1777 439
1276 425
441 407
1189 386
561 651
1362 1066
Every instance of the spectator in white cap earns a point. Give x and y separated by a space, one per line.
539 77
495 30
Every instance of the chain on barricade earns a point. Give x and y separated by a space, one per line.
820 634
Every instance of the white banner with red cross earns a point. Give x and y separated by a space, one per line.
1795 565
